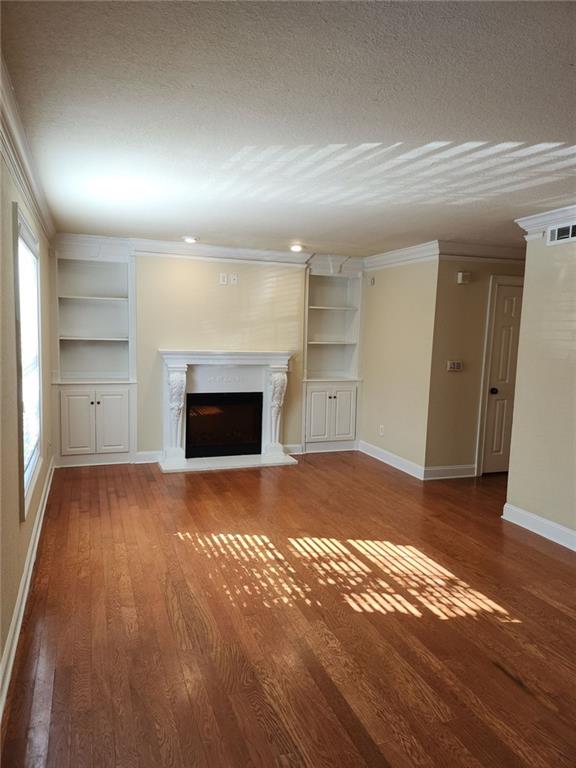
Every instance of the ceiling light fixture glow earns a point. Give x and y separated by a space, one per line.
295 248
190 239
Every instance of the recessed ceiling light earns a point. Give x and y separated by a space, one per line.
190 239
295 248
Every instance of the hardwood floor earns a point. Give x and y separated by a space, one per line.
337 613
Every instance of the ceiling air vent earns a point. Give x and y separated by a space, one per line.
562 234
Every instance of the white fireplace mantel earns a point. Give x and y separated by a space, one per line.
222 371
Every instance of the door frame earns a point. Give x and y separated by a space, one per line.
495 281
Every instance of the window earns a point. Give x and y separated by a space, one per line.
28 314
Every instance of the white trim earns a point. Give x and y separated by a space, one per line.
404 465
177 249
296 448
138 457
7 660
550 530
91 247
94 459
337 266
481 252
481 259
147 457
444 250
535 226
331 446
176 357
16 151
449 472
220 463
495 281
423 252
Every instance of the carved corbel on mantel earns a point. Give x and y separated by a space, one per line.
278 383
176 397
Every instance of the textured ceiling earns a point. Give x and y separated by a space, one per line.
351 127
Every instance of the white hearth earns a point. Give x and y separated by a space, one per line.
220 371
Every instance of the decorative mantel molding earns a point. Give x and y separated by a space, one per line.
271 380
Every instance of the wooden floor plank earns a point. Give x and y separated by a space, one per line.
333 614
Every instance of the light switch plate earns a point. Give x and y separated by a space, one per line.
223 278
454 365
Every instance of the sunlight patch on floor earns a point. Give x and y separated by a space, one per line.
251 569
370 576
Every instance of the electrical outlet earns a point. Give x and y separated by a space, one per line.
233 278
223 280
381 430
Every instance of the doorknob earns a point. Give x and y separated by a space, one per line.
493 390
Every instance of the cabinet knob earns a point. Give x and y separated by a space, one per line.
97 402
91 402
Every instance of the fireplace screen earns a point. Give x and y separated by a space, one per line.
223 424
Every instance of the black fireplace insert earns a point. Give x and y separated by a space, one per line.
223 424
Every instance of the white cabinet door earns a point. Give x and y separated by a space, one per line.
344 412
77 422
318 413
112 420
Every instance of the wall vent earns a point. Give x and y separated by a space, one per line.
562 233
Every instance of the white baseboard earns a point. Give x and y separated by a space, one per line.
404 465
7 660
291 449
555 532
93 460
147 457
449 472
331 446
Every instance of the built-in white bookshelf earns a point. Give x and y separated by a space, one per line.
333 319
93 314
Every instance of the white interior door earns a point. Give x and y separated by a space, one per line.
507 305
112 421
77 422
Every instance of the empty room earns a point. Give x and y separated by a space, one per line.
288 384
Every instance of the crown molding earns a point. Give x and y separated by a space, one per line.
16 152
415 253
92 247
330 264
171 249
444 250
535 226
103 247
451 251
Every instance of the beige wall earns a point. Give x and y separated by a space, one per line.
15 536
459 331
398 324
180 305
542 477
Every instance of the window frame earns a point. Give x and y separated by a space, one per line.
27 475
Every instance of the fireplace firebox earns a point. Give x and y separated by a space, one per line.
223 424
